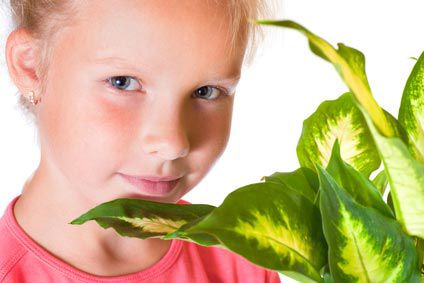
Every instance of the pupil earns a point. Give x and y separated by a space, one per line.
202 91
120 81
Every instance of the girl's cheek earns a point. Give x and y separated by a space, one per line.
116 121
112 110
211 131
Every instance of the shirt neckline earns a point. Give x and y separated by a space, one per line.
72 272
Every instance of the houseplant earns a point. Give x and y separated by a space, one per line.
327 221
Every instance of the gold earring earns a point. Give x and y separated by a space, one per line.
31 95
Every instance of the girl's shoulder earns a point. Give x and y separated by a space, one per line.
181 201
11 248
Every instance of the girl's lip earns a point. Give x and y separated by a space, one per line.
153 178
152 188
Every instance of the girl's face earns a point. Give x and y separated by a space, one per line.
138 88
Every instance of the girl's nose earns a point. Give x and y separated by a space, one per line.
165 133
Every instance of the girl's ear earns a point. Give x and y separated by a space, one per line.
21 60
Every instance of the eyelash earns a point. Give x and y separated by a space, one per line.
224 92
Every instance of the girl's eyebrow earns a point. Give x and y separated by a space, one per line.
230 80
116 61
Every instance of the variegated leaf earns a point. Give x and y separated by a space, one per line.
357 185
411 111
364 245
350 64
406 179
337 119
274 228
303 180
146 219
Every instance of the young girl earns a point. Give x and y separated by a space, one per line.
130 99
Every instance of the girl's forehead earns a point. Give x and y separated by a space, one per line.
154 36
194 12
159 23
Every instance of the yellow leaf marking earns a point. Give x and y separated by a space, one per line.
342 130
154 225
285 240
362 255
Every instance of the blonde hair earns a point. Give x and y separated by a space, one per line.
44 18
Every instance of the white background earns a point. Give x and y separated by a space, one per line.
283 86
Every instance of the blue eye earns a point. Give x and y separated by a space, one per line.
129 83
209 92
124 82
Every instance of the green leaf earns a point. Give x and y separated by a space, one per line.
338 119
349 63
419 243
146 219
390 202
406 179
411 111
303 180
274 228
364 245
358 186
381 181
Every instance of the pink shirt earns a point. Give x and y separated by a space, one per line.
23 260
